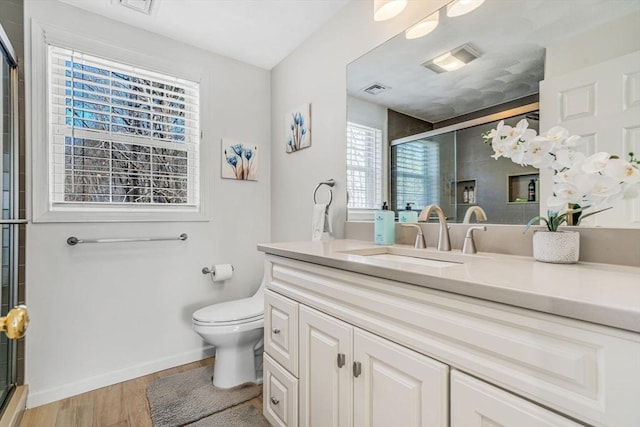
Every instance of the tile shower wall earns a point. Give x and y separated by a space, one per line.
474 162
12 18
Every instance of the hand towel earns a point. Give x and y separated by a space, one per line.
318 221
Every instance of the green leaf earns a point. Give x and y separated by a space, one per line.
535 219
592 213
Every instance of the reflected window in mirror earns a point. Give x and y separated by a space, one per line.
364 167
415 171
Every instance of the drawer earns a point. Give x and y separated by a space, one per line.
475 403
280 395
281 330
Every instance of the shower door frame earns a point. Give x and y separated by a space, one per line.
13 222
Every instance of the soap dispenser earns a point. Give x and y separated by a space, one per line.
384 226
408 215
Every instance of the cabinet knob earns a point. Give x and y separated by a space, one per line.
275 400
275 331
357 369
341 360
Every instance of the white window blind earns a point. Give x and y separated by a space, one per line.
416 173
364 166
120 134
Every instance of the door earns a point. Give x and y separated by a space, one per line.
325 370
16 322
396 386
475 403
600 103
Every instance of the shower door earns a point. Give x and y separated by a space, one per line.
9 209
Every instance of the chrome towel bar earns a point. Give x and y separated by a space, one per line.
72 241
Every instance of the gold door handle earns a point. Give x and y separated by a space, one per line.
15 323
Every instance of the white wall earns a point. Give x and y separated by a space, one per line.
316 72
108 312
367 114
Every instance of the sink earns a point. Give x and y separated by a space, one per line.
420 257
413 260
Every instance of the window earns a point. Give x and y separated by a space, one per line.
364 166
415 174
119 135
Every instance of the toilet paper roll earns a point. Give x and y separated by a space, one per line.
221 272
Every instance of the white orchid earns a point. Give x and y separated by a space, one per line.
596 162
622 170
579 181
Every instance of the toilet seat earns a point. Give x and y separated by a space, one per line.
240 311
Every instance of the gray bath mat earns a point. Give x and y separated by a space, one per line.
245 415
189 396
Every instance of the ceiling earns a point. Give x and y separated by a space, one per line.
258 32
511 37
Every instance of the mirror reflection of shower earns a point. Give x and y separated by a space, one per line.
452 167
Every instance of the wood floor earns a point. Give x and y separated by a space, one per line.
119 405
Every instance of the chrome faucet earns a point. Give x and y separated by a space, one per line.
481 215
469 246
444 243
419 243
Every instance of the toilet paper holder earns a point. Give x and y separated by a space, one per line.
207 270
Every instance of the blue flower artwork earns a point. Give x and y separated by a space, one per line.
298 128
239 160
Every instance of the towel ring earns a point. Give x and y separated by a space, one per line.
330 183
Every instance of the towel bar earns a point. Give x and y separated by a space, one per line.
72 241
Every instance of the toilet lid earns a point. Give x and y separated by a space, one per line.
245 309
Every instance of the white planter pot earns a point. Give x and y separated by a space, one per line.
560 247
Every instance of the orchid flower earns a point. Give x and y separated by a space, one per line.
580 182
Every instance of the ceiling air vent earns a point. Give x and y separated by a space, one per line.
143 6
375 88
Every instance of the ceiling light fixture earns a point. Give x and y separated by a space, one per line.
453 60
143 6
387 9
423 27
460 7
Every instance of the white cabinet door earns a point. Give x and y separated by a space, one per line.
601 103
475 403
326 388
397 386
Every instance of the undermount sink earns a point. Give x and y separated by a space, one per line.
413 256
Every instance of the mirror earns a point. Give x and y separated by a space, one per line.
431 121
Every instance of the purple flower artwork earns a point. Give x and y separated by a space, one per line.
298 128
239 160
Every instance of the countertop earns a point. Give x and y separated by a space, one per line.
600 293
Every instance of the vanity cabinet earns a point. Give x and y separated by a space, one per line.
367 351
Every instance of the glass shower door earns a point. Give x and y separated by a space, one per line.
9 212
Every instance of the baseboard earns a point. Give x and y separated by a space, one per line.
62 392
15 408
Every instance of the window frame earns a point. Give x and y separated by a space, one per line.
43 208
364 214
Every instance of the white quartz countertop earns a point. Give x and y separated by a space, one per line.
600 293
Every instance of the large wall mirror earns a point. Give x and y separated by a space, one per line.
414 129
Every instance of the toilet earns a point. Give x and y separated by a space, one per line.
235 329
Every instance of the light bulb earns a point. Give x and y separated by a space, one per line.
423 27
387 9
460 7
